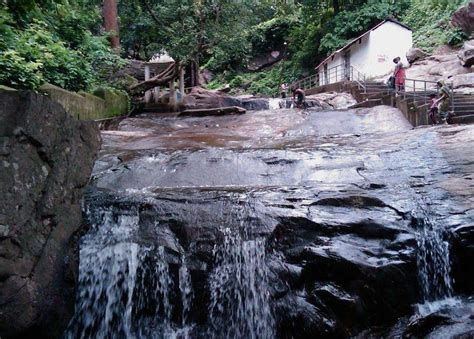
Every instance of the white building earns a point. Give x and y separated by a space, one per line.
370 54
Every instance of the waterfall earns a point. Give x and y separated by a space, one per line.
240 305
126 289
433 260
276 103
186 289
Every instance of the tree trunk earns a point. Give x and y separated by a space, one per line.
162 79
196 70
110 13
335 5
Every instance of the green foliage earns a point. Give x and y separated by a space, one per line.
265 83
430 23
349 24
271 34
321 32
53 41
217 34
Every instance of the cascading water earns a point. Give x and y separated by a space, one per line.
433 250
240 301
126 288
276 103
433 258
131 286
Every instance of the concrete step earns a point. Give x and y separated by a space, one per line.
464 107
464 119
463 113
367 103
417 94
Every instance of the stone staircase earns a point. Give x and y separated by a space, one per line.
377 93
463 108
372 94
413 102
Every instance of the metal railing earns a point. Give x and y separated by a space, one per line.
420 91
416 90
330 76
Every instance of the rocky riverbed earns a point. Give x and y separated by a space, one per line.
279 223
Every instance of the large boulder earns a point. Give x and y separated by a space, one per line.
466 54
415 54
264 60
46 157
200 98
464 18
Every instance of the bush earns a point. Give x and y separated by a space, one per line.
37 56
55 47
430 23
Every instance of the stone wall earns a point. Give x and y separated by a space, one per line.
104 103
46 157
417 116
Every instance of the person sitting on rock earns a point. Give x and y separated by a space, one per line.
300 101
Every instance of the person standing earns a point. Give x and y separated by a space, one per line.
399 75
283 89
444 101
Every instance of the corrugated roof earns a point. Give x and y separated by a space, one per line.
360 37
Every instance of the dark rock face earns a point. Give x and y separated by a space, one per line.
466 54
265 60
464 18
46 157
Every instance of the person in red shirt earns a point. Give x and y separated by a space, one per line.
399 74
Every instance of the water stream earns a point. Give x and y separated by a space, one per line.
240 300
126 287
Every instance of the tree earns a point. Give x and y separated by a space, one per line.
191 31
109 12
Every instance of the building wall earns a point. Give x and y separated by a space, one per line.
360 54
387 42
333 74
372 55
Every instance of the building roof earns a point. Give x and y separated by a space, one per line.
161 58
360 37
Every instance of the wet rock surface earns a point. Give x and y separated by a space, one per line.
284 223
46 158
200 98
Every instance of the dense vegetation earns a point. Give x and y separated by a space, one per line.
53 41
62 42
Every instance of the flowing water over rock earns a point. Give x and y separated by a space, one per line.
240 298
279 223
